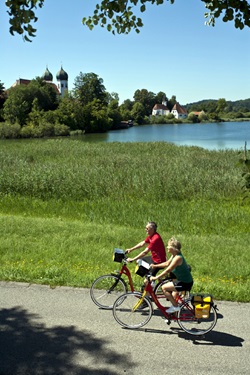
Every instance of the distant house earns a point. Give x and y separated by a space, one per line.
160 109
179 112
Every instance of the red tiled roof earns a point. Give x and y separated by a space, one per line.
161 106
22 81
179 109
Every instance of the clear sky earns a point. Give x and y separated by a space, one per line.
175 52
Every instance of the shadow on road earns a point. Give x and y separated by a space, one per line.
215 338
211 338
28 347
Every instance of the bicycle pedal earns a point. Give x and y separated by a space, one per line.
167 321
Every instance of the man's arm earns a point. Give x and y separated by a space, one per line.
138 246
139 256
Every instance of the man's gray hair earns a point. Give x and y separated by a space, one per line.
152 225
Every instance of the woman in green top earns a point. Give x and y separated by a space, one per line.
178 266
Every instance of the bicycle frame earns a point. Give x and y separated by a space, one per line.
149 289
125 271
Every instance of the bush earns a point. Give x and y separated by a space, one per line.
61 130
9 131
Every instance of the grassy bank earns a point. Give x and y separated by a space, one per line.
65 205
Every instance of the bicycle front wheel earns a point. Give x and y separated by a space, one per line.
195 326
131 311
106 289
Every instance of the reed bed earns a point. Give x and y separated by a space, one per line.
65 204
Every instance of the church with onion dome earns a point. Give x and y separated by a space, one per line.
61 78
60 86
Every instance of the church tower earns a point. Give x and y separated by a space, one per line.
62 81
47 76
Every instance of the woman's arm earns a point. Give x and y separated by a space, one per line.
161 265
177 261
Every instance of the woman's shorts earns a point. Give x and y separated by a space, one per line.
180 285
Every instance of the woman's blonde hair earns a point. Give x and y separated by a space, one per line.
175 243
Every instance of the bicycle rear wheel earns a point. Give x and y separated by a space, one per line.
131 312
106 289
195 326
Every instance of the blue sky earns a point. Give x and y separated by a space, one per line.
175 52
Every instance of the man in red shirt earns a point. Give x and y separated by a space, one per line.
154 244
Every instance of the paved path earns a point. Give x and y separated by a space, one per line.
59 331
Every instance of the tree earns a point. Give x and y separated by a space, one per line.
1 88
114 113
2 99
138 113
146 98
70 113
20 100
172 102
95 117
88 87
221 105
118 15
125 109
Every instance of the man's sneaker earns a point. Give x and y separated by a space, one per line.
173 309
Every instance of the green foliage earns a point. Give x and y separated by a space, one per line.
70 113
231 10
114 113
244 162
22 14
138 113
147 99
228 107
88 87
119 16
97 119
1 88
192 117
24 99
122 18
9 131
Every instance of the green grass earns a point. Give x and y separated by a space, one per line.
64 206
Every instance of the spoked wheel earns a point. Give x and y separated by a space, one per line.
195 326
106 289
131 311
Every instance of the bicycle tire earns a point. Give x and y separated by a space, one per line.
106 289
128 314
192 325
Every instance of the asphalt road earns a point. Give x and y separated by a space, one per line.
60 331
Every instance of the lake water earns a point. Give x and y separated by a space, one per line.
212 136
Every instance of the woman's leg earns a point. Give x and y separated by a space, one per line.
167 289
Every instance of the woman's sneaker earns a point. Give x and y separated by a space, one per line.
173 309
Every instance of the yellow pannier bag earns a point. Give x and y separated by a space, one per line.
202 305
